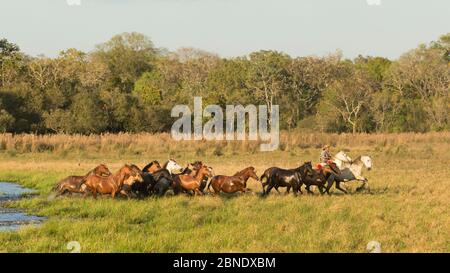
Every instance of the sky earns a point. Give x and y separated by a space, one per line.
229 28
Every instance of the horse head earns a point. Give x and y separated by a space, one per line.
367 161
172 166
197 165
247 173
102 170
307 167
205 171
152 167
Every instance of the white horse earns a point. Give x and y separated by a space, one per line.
352 169
172 166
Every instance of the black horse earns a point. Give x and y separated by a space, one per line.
291 178
157 183
142 189
164 182
323 178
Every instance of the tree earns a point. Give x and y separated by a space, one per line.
150 87
186 54
268 77
88 115
127 56
349 98
226 83
310 76
423 75
118 108
9 57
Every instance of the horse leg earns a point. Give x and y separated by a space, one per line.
295 189
288 189
338 186
320 187
330 181
308 190
363 185
161 191
300 187
269 188
276 188
264 184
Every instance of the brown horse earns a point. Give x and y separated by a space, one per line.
191 169
232 184
74 184
192 183
152 167
113 183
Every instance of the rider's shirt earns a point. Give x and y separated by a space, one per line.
325 156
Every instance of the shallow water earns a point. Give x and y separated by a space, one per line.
13 219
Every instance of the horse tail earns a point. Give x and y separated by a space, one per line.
56 187
262 177
210 182
265 175
78 185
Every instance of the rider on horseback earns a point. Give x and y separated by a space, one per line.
326 163
325 155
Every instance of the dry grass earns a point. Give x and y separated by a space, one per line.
162 143
407 209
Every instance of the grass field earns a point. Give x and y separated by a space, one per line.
406 210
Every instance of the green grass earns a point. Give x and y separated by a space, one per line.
407 210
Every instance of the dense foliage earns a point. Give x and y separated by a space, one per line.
127 84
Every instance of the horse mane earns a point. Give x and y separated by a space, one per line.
135 167
357 159
240 173
119 176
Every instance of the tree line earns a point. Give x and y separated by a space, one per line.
128 85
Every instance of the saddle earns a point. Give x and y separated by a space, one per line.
320 167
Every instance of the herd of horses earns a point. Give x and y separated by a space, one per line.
156 179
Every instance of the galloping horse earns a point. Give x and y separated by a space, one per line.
232 184
192 169
287 178
152 167
320 176
74 184
350 170
165 178
172 166
188 182
113 183
140 189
